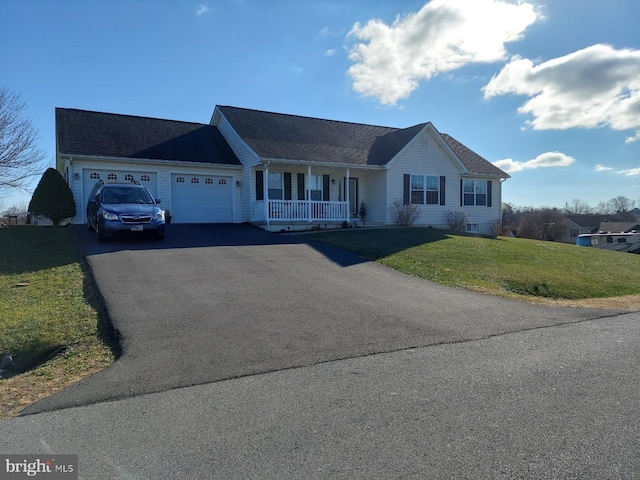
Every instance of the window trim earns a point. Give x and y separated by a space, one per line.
315 194
425 192
273 190
471 191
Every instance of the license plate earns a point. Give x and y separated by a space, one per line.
136 228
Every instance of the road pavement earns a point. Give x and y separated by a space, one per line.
551 402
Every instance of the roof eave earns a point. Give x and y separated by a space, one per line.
286 161
149 161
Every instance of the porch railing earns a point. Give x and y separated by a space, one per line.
301 210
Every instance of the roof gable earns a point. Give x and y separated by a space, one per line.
292 137
82 132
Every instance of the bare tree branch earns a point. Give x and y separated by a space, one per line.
20 159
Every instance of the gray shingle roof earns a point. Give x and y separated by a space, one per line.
474 162
82 132
293 137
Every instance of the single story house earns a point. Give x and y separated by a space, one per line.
579 224
279 171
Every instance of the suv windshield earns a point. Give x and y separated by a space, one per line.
115 195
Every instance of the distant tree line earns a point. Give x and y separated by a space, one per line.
547 223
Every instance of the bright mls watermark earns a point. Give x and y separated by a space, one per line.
51 467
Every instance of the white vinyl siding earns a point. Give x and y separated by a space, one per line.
430 162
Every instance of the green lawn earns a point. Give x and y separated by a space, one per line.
499 266
45 297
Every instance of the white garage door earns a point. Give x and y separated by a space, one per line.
148 179
201 198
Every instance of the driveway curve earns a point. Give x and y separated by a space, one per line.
215 302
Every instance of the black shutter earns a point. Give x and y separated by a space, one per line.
301 191
325 188
461 203
407 186
287 185
259 185
443 184
489 193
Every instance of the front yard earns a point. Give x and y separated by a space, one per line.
49 312
511 267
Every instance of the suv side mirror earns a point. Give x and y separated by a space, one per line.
92 199
158 200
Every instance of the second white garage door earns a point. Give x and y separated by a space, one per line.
201 199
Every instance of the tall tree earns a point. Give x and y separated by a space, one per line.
52 198
622 208
577 207
542 224
20 159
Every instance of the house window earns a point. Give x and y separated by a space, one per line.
574 232
222 181
112 176
94 176
208 181
433 190
128 178
315 187
417 189
145 178
195 180
472 228
179 179
474 192
425 189
275 186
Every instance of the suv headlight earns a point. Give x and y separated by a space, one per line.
109 216
159 215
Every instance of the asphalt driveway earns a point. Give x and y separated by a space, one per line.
214 302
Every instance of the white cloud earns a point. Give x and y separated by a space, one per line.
602 168
202 9
544 160
590 88
632 172
444 35
633 138
330 53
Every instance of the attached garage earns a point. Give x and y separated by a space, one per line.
201 198
189 166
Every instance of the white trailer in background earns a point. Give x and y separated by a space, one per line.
621 242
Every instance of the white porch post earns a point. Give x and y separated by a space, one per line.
309 209
265 187
347 197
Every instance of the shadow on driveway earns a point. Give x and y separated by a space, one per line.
205 236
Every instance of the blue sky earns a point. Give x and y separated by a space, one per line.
549 91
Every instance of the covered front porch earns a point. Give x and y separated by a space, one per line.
287 195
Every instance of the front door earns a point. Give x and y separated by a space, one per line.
353 197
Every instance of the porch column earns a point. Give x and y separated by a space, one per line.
265 183
309 209
347 197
